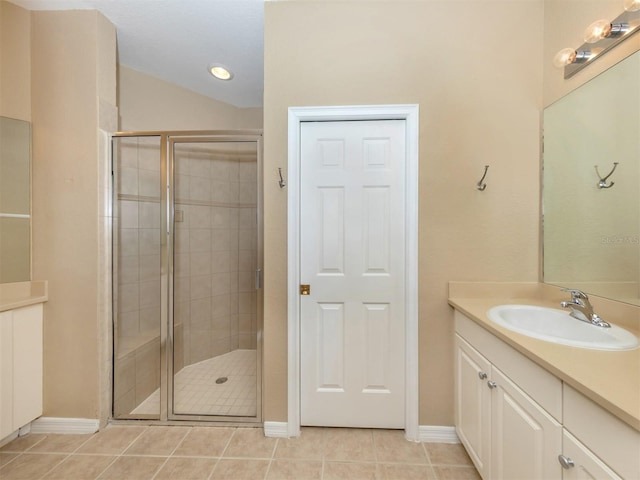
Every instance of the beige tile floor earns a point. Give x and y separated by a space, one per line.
185 453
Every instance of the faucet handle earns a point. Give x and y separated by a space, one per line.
575 294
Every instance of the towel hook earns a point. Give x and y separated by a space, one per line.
603 181
481 186
281 182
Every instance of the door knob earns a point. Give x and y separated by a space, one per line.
305 289
482 375
566 462
491 384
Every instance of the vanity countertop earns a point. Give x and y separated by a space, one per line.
22 294
609 378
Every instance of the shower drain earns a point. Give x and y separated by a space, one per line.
221 380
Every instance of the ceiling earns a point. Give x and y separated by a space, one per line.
176 40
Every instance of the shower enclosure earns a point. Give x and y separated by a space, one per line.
187 275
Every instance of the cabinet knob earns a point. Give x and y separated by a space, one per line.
491 384
566 462
482 375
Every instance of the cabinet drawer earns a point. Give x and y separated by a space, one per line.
585 463
615 442
539 384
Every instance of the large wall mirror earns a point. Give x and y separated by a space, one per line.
591 224
15 196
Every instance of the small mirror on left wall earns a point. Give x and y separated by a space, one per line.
15 200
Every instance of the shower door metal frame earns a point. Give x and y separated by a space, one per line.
249 136
167 229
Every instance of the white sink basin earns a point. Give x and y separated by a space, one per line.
558 326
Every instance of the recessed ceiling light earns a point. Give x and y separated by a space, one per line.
220 72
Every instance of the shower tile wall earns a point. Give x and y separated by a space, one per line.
215 254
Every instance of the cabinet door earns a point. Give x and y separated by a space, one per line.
6 374
525 440
27 366
585 464
473 404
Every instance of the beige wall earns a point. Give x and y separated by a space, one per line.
71 77
147 103
564 25
15 62
475 69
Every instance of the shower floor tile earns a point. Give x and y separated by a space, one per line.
197 393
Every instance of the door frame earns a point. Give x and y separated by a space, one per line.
297 115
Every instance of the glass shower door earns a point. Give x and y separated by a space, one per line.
215 259
186 256
137 276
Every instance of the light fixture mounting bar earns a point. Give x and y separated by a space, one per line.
630 20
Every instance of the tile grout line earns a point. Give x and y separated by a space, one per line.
189 429
426 454
116 457
273 453
68 454
56 465
17 455
222 453
23 452
324 453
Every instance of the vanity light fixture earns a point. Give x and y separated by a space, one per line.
220 72
600 37
567 56
632 5
604 29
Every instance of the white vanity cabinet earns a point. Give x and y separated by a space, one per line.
20 367
507 434
517 420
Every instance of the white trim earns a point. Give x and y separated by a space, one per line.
276 429
437 434
65 425
409 113
14 215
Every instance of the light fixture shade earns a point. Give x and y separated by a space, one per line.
597 31
220 72
632 5
564 57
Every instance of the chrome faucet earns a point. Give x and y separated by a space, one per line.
582 309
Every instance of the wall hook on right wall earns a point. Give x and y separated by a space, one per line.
480 185
281 182
603 181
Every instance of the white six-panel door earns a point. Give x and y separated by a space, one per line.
352 256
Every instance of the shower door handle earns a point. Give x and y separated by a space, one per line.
258 279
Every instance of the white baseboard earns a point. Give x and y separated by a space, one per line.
276 429
65 425
437 434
